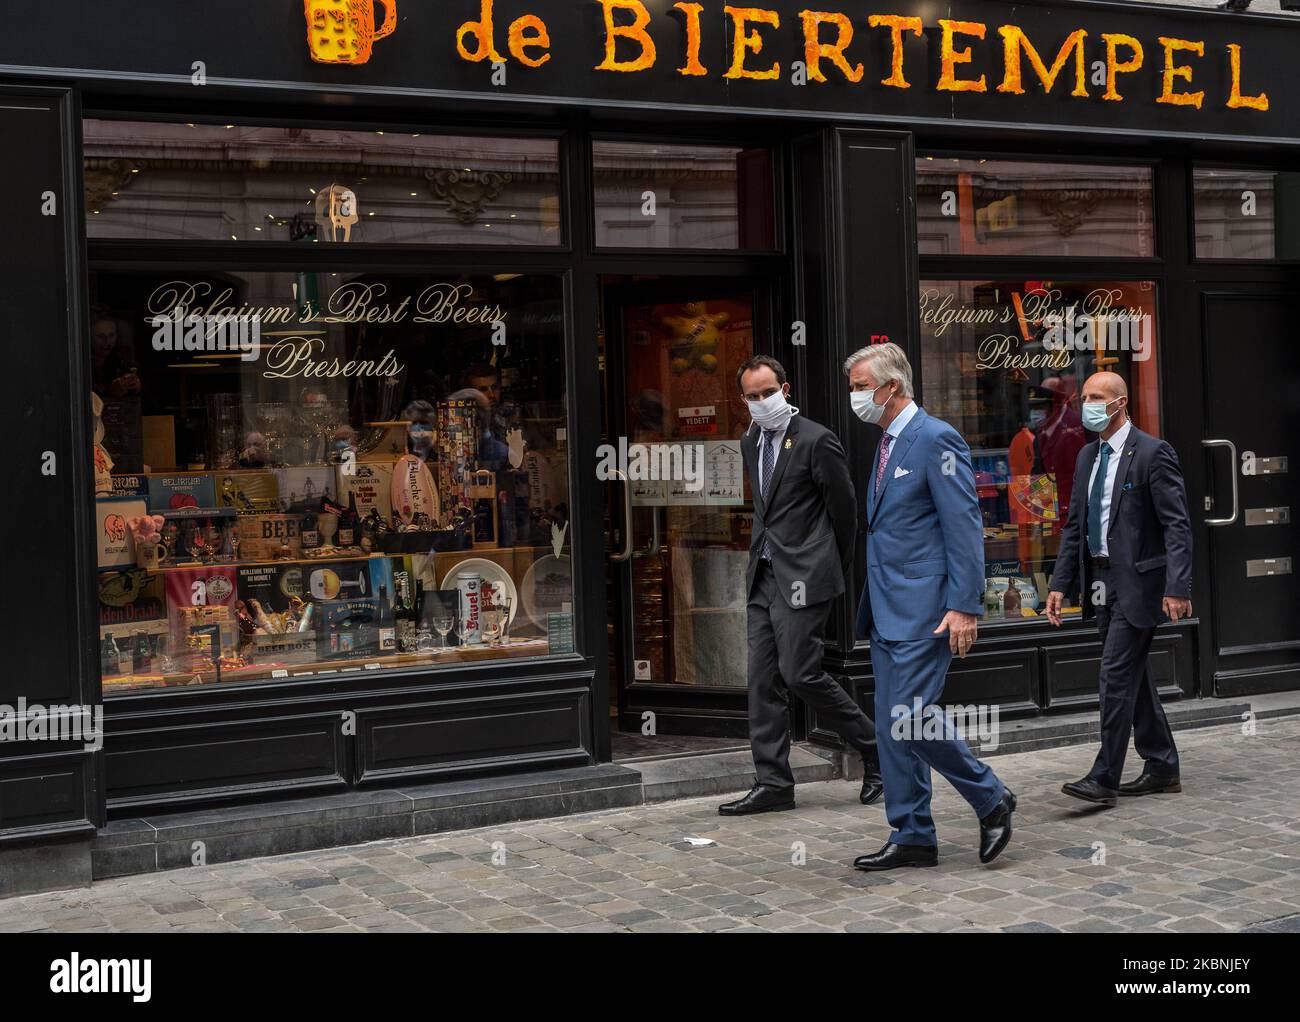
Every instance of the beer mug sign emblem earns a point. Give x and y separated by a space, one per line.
344 31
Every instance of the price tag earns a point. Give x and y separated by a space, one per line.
373 667
279 672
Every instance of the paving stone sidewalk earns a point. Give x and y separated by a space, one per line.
1224 855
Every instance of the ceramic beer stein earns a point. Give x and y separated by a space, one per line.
344 31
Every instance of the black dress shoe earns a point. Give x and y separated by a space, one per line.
1151 784
1090 791
894 856
995 829
873 785
759 800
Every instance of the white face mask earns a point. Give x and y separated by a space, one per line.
865 407
773 412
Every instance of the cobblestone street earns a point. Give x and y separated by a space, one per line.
1223 855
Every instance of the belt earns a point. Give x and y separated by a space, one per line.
1101 561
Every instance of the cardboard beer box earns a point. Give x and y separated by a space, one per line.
131 601
172 492
371 482
292 648
271 585
254 490
303 487
116 548
262 535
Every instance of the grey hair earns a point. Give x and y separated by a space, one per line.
888 362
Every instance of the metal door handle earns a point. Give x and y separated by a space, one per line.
652 547
1232 448
626 552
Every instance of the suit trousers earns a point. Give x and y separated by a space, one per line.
907 671
1129 701
785 655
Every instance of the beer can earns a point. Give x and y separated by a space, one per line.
470 587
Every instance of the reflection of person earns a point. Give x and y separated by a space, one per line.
804 529
1061 437
925 578
483 383
419 429
114 374
1128 546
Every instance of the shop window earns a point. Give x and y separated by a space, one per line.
1022 208
682 196
1003 362
156 181
1246 214
307 474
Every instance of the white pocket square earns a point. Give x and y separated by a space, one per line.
899 472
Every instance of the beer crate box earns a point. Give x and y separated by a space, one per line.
262 535
290 649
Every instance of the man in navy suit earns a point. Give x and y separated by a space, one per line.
920 605
1127 543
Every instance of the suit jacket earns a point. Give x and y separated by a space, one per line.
1149 537
925 535
809 518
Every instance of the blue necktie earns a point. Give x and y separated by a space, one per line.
765 475
1094 500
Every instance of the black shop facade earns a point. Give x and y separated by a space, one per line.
337 330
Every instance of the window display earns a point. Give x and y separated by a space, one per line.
304 474
1003 362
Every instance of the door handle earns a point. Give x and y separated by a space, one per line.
1232 449
652 547
626 552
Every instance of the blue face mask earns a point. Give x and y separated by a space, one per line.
1095 416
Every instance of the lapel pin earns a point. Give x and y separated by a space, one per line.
788 443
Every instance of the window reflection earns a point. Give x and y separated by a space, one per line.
1002 207
682 196
1246 214
207 182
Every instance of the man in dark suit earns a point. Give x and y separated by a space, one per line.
804 529
1127 544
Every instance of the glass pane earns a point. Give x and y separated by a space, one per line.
1246 214
1002 207
691 525
211 182
1003 362
679 196
351 472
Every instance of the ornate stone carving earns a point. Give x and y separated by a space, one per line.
466 192
103 178
1067 208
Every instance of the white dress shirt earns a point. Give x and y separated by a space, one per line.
1116 443
895 428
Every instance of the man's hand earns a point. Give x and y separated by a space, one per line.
1054 602
962 630
1176 608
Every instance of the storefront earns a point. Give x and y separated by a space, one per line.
371 364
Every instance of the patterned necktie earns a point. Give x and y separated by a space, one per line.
765 473
886 442
1094 500
768 458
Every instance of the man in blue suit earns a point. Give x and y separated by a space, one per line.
920 605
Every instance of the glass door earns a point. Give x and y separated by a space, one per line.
680 513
